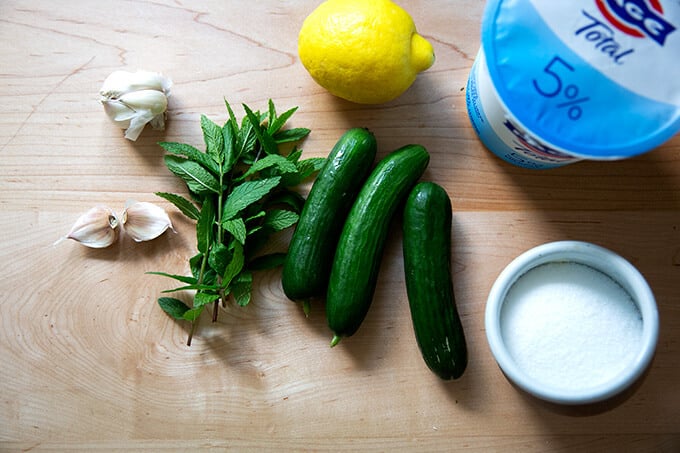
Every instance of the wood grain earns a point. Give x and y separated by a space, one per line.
90 363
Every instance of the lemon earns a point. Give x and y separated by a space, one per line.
365 51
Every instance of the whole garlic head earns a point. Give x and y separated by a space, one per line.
131 100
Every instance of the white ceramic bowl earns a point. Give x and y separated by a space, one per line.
596 257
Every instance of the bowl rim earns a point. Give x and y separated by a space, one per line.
603 260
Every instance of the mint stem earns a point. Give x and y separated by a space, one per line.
191 332
216 306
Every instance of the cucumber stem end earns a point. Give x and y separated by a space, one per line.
306 307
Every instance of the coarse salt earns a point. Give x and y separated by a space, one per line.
570 326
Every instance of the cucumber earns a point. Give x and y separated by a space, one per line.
359 252
427 267
312 246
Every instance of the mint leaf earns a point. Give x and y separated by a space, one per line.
219 257
204 226
185 206
308 167
272 113
197 287
246 141
280 163
181 278
195 264
294 155
193 314
235 265
232 118
173 307
214 140
230 154
241 288
198 179
266 140
276 123
202 299
246 194
280 219
291 135
305 169
191 153
237 228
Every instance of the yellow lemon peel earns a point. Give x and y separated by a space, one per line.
364 51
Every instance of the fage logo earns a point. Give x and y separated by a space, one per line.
638 18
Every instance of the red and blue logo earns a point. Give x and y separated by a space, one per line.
638 18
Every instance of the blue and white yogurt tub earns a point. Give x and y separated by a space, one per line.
560 81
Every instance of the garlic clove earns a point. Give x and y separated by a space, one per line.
121 82
135 126
97 228
145 221
118 112
150 100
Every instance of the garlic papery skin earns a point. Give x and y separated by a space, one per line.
145 221
97 228
131 100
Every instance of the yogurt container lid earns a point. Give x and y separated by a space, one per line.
599 78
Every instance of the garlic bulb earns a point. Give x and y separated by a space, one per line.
97 228
144 221
131 100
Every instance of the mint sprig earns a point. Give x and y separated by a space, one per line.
240 193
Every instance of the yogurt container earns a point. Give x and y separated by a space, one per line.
560 81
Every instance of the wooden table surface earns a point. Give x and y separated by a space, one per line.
88 361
